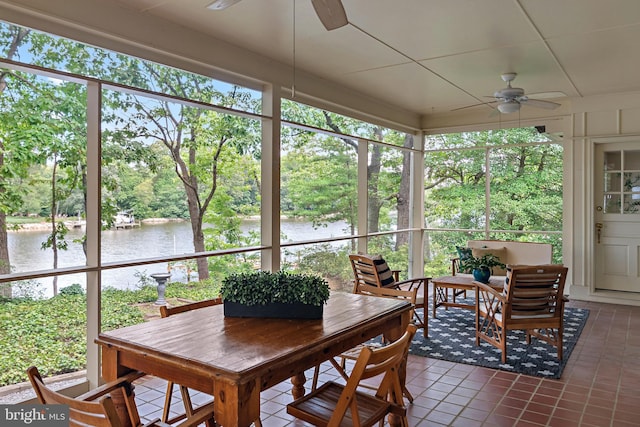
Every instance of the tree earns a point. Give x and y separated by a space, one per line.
322 181
195 138
525 181
9 167
387 178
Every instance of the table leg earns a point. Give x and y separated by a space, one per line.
111 371
297 391
236 405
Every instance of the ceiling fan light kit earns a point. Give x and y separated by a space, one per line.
510 106
510 99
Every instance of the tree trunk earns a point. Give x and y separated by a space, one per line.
196 213
54 230
403 194
198 239
373 174
5 267
5 264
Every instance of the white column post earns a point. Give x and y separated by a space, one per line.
93 227
270 176
363 194
416 207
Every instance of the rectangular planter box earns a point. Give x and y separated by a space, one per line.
273 310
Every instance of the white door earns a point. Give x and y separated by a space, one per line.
617 216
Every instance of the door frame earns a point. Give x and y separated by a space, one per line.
616 297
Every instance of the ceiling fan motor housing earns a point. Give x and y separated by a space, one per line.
509 93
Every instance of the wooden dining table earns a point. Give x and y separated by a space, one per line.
234 359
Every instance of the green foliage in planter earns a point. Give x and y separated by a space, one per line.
488 261
263 287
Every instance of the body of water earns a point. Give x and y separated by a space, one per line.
147 241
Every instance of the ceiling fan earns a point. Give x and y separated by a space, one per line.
510 99
330 12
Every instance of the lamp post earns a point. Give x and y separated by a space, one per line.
161 278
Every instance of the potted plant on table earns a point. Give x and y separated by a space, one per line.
481 266
276 295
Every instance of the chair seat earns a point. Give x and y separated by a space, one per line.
317 407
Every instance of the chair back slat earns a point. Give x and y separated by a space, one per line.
372 271
535 290
364 270
168 311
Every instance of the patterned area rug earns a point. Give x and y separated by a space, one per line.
452 338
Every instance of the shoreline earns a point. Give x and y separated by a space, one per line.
45 226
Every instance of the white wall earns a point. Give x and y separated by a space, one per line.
602 118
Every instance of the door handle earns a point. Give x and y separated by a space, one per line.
599 226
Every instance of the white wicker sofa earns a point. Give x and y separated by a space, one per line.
510 253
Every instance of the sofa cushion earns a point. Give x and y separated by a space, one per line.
500 253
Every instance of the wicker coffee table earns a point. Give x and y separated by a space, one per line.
457 284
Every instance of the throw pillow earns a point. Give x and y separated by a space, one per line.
384 272
463 254
500 253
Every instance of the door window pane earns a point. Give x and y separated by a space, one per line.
631 204
632 160
612 161
612 181
612 203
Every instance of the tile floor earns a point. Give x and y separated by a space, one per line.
600 385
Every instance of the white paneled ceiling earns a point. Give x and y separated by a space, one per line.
433 56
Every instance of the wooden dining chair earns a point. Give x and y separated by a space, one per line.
532 300
190 411
335 404
96 407
166 311
373 270
354 353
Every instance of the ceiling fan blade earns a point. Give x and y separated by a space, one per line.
474 105
331 13
539 103
221 4
547 95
